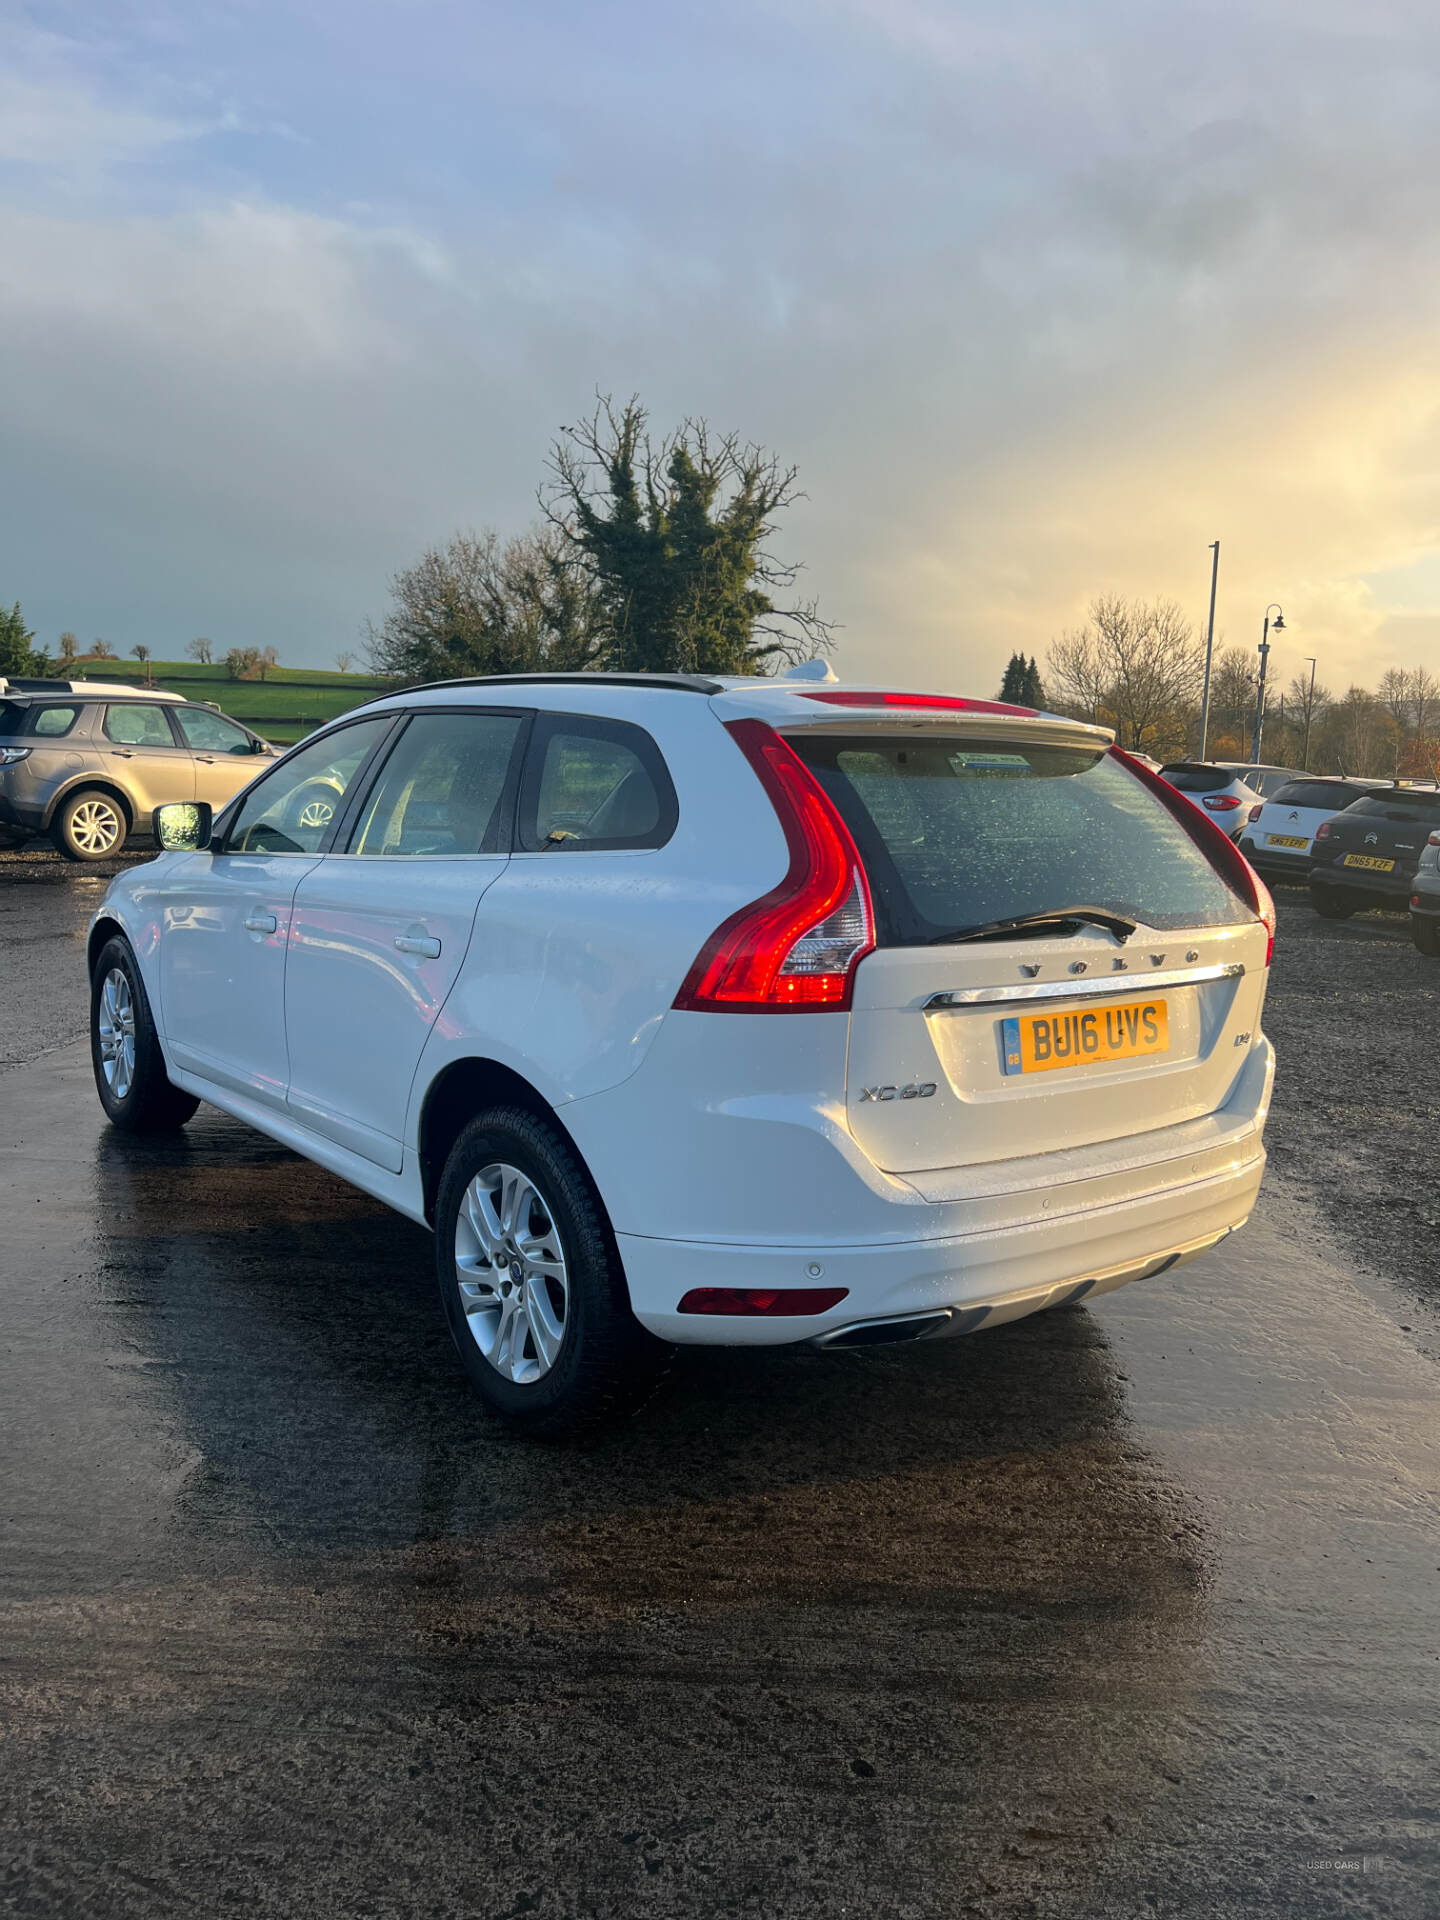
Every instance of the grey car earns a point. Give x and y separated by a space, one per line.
90 768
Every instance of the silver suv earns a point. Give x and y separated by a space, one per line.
89 768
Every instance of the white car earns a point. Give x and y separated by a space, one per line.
1228 789
739 1012
1279 833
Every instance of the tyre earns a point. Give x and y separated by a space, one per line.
125 1052
531 1281
1426 936
1331 906
90 825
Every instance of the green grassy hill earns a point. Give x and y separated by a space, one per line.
286 705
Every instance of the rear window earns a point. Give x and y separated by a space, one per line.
955 832
1197 779
12 718
1332 795
1399 806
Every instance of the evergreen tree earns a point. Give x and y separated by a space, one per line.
18 655
1012 686
1032 692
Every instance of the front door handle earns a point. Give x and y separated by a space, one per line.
427 949
260 923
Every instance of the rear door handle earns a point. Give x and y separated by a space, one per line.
123 753
427 949
260 923
206 759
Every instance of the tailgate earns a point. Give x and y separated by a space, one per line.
932 1079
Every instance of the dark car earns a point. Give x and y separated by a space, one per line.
1280 832
1367 856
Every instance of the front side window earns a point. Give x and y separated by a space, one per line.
138 726
439 791
205 732
293 809
594 784
958 832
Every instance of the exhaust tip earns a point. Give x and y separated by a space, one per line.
885 1333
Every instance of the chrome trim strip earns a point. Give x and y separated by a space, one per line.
1080 989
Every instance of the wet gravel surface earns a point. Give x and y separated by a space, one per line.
1354 1011
1119 1612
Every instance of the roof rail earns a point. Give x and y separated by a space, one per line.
666 682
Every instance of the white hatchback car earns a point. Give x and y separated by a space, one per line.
736 1012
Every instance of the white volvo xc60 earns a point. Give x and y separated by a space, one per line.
742 1012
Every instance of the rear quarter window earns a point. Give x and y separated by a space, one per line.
52 723
957 831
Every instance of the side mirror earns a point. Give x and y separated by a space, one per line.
183 826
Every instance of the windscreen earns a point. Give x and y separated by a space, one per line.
1197 779
1400 806
956 832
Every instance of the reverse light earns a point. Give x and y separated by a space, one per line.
853 697
796 949
1223 803
763 1301
1216 845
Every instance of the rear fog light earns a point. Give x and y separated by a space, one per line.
767 1301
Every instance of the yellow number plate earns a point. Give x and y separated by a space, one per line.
1041 1042
1369 860
1285 840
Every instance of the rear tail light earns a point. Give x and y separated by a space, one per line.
1322 832
1216 845
1255 813
1434 840
795 950
767 1301
1223 802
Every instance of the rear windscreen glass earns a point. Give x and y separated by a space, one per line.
1398 806
1317 793
12 718
955 832
1197 779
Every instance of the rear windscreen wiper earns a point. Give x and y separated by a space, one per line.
1057 917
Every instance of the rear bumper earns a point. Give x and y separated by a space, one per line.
1395 887
1275 862
24 820
974 1279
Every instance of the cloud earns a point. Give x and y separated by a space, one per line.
1041 300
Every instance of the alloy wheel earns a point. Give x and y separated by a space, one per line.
117 1033
95 827
511 1270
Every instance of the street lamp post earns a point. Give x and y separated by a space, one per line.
1209 649
1309 714
1264 665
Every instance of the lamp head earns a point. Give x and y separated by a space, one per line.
1278 623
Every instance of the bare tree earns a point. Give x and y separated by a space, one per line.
1307 703
343 661
201 650
1359 735
1393 694
267 658
1136 665
69 648
1232 703
1424 701
480 605
102 650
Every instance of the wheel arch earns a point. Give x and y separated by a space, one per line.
90 783
456 1094
106 928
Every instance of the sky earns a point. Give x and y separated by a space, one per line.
1040 296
